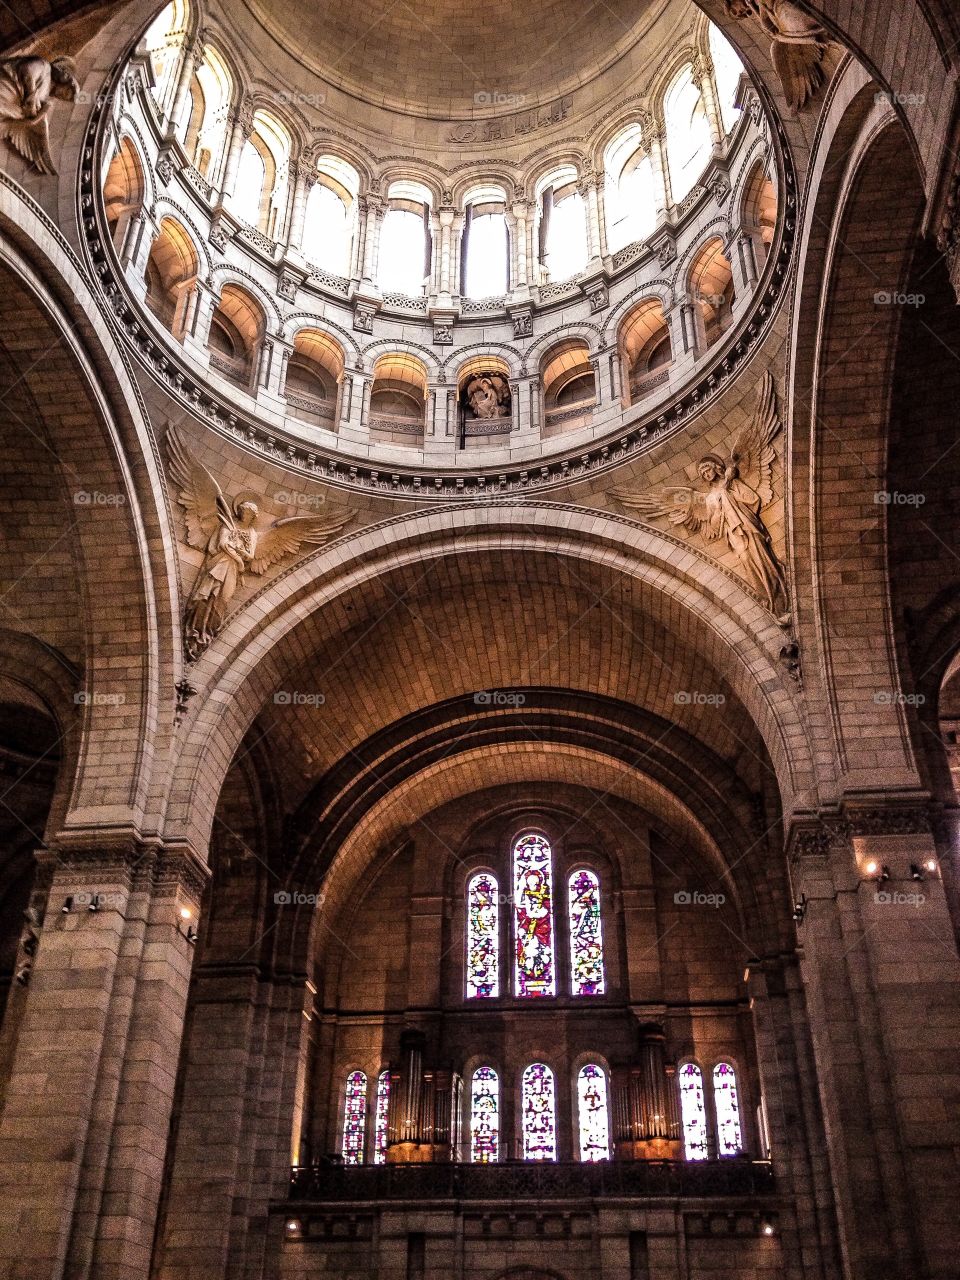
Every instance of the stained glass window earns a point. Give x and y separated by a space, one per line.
354 1117
534 970
727 1105
483 922
586 938
485 1116
693 1112
539 1122
594 1116
382 1119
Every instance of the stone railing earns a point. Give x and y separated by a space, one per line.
237 371
488 426
648 382
533 1180
584 409
325 409
397 423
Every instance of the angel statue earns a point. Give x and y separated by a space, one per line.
225 531
27 86
737 490
488 396
798 45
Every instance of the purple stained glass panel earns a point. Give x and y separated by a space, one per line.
483 922
534 969
586 935
539 1120
485 1116
354 1117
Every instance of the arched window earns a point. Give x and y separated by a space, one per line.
630 191
586 934
693 1112
593 1113
485 1116
330 218
562 226
164 43
539 1119
260 195
381 1127
354 1117
483 923
405 240
688 134
727 69
726 1103
534 968
203 125
486 249
251 180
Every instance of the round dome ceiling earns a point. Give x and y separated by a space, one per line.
457 58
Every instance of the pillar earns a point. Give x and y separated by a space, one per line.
305 178
703 78
192 55
520 244
371 216
242 128
84 1130
654 134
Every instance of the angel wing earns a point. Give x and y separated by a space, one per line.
753 452
800 68
32 139
200 496
284 537
679 504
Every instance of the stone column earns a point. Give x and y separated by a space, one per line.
84 1130
703 78
305 178
654 133
371 216
444 275
587 188
521 245
242 128
882 980
456 240
192 55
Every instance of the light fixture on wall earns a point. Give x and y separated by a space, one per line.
916 873
186 926
767 1228
67 905
877 872
932 865
800 908
294 1228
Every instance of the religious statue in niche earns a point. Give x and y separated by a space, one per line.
487 395
225 531
27 87
730 505
798 45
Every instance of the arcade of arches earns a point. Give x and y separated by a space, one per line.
480 640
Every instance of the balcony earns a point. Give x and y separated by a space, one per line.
643 1179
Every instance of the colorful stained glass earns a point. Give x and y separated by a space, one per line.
539 1121
354 1117
594 1117
693 1113
586 934
483 944
534 970
382 1119
726 1103
485 1116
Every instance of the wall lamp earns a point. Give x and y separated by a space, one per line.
185 926
800 908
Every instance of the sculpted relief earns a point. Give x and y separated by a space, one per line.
27 87
488 396
225 530
730 502
798 44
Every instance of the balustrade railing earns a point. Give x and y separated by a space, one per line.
540 1180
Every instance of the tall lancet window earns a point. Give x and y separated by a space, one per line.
726 1102
483 944
539 1118
593 1113
534 967
586 934
485 1116
693 1112
354 1117
382 1119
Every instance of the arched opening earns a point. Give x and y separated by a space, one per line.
314 372
398 400
203 125
646 352
688 140
406 242
630 191
330 219
759 212
569 387
711 285
171 275
485 401
261 191
728 71
163 42
485 246
123 191
561 226
236 331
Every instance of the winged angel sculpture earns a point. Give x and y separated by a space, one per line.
225 531
798 44
737 490
27 86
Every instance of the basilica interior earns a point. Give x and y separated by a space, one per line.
480 640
